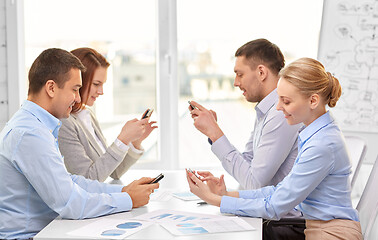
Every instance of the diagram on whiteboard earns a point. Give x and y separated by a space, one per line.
348 48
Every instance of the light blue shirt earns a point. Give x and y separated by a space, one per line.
319 181
270 152
35 186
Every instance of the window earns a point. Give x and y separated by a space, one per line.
166 52
209 33
124 32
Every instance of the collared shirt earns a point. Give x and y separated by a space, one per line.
34 184
85 116
269 153
319 181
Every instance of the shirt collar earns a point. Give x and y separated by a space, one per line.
51 122
319 123
267 103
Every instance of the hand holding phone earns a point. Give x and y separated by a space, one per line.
147 113
191 171
157 179
191 106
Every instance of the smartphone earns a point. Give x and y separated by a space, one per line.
191 106
191 171
157 179
147 113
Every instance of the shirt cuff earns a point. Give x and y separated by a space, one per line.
138 151
123 147
228 204
113 188
122 201
221 147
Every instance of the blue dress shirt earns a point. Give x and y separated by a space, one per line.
270 152
35 186
319 181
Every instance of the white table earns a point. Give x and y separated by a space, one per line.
173 180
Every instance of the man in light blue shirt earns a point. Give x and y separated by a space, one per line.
271 150
35 186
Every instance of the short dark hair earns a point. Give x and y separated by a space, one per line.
52 64
262 51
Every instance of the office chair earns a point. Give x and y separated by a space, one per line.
368 205
357 149
372 234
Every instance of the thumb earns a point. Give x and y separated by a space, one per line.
222 179
199 106
144 121
214 115
194 178
144 180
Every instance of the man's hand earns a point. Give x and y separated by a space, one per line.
216 185
140 190
206 121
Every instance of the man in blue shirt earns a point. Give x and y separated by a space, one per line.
35 186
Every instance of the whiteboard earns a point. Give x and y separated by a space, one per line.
348 48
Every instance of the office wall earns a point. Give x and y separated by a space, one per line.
3 68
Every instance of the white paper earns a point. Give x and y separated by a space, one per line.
171 216
110 228
229 224
161 195
186 196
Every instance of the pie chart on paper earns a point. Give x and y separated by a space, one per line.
129 225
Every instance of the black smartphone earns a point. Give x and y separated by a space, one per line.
157 179
147 113
191 106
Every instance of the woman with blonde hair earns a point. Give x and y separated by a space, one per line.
318 184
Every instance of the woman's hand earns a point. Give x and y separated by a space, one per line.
216 185
148 128
202 190
132 130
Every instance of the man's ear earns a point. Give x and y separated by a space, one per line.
314 101
262 72
50 88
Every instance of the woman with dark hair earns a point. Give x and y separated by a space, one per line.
81 140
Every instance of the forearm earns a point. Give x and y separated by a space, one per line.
233 194
235 163
95 167
130 159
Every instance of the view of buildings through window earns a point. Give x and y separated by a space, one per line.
208 34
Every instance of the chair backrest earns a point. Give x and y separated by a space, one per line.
372 234
367 206
357 149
